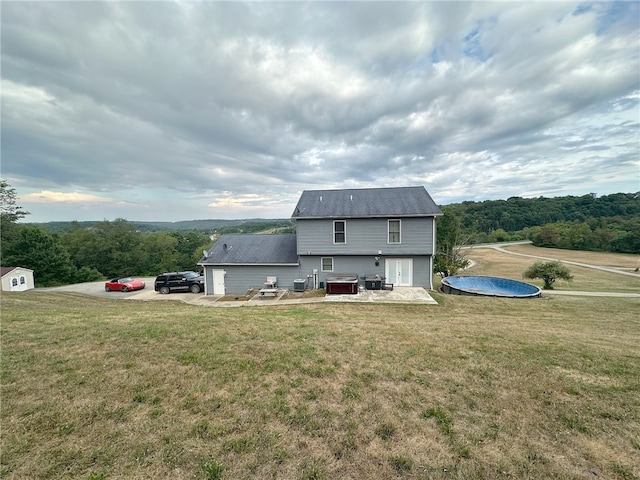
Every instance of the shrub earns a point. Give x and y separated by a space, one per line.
549 272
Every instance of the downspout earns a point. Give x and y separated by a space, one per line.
206 281
433 252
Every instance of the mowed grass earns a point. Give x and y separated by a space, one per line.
472 388
623 261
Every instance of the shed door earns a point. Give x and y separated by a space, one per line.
218 282
399 271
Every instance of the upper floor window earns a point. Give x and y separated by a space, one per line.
339 231
394 231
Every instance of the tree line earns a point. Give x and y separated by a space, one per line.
607 223
81 253
107 250
71 252
202 226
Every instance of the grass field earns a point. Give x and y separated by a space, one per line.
472 388
492 262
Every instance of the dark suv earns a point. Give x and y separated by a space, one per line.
179 281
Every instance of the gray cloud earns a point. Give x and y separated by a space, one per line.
230 109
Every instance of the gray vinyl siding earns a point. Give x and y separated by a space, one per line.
240 278
422 275
365 236
364 265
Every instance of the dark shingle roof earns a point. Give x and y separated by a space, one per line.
367 202
5 270
253 249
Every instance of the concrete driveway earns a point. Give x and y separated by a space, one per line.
398 295
96 289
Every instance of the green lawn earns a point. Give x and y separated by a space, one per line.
472 388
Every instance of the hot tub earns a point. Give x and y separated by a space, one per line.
342 283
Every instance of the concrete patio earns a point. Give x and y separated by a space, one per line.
397 295
413 295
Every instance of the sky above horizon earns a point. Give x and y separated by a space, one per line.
168 111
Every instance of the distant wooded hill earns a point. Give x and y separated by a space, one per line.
518 213
202 226
588 222
72 252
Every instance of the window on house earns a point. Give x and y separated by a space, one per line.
326 264
339 231
22 281
394 231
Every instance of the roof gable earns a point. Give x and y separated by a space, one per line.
6 270
253 249
367 202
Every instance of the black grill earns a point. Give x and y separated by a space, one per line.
373 282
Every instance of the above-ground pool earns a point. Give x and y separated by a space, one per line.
489 286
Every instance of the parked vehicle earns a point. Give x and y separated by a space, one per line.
124 284
179 281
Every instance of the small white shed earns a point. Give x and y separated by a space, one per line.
16 279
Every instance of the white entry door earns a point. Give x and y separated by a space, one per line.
399 271
218 282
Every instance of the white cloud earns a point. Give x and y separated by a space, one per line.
250 205
83 199
148 101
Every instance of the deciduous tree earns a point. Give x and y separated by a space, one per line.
549 272
449 259
10 213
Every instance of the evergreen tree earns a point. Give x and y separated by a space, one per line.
38 250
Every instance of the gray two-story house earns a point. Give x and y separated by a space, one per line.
388 232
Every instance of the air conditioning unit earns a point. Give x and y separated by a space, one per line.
298 285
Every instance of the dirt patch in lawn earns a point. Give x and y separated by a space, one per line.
238 297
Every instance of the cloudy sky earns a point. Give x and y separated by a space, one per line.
192 110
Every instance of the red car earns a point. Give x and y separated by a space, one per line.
125 284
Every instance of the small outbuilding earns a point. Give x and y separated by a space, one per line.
16 279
